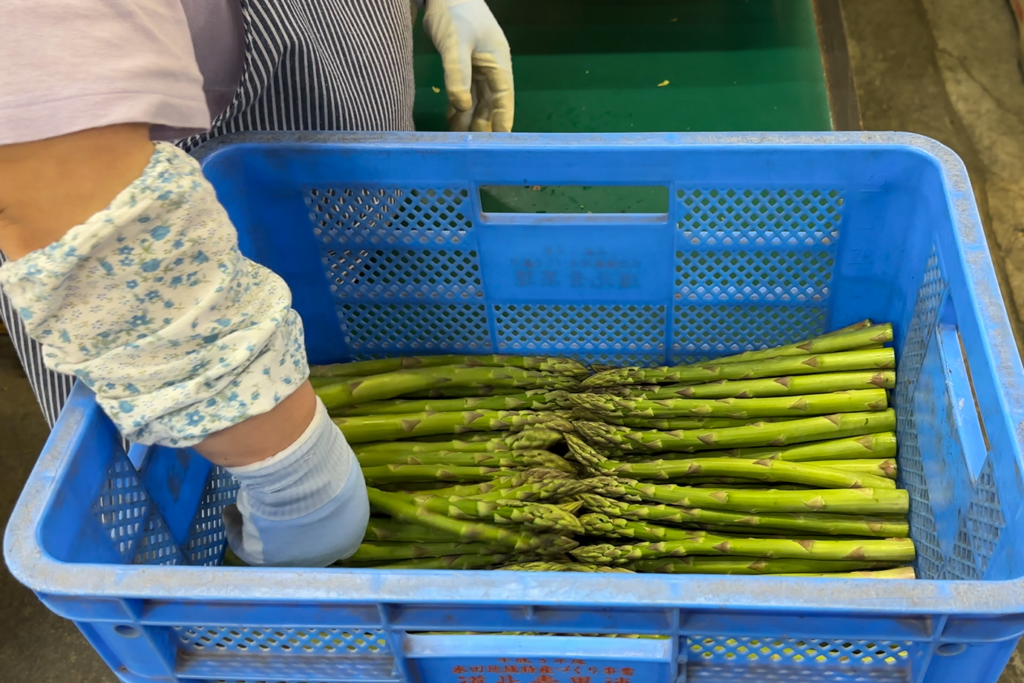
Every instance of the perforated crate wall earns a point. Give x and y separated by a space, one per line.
592 333
134 525
373 330
389 215
206 537
708 331
728 658
774 217
138 531
335 653
444 274
752 266
980 525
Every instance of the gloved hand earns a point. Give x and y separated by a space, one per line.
305 506
477 64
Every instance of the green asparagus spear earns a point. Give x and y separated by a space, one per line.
508 459
878 468
535 516
757 434
462 392
388 474
670 423
449 562
806 474
539 400
571 506
869 335
870 447
318 382
381 529
394 384
874 502
821 523
541 477
532 438
880 446
899 550
436 438
767 387
405 509
562 366
761 470
737 483
596 524
390 552
554 490
614 527
738 408
366 428
415 486
896 573
747 565
867 359
563 567
859 325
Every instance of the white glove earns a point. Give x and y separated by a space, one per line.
477 64
305 506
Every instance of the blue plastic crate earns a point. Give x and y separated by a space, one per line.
765 239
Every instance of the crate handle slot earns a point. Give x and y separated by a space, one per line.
970 423
437 658
535 202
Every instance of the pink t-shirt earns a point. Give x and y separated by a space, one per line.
69 65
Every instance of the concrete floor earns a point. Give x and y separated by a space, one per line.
943 68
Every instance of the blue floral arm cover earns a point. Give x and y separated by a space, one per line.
151 304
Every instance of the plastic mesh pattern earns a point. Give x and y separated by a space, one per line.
389 215
132 522
354 670
592 332
206 538
787 276
962 563
760 217
273 639
985 516
922 324
930 560
403 273
979 530
157 545
785 659
708 331
372 328
607 361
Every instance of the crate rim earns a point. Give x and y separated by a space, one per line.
32 566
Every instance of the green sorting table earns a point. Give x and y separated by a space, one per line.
596 65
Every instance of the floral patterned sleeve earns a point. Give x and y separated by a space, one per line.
151 304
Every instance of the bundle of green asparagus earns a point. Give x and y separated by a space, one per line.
779 461
464 457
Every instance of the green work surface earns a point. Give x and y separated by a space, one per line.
595 66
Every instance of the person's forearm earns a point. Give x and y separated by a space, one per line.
51 186
262 436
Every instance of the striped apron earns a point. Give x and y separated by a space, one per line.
309 65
